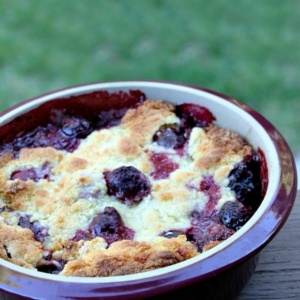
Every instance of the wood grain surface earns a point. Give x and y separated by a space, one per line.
277 275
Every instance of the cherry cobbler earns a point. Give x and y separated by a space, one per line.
107 184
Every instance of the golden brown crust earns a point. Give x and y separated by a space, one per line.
17 245
16 193
129 257
219 145
39 154
128 147
5 157
75 164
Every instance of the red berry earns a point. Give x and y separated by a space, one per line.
212 190
193 115
163 165
109 225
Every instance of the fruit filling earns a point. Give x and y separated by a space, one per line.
245 181
40 232
170 136
108 225
212 190
206 231
163 165
106 184
34 174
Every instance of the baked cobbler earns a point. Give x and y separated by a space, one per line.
128 186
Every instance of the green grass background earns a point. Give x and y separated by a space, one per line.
248 49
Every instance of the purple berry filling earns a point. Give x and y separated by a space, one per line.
40 232
212 190
245 181
193 115
52 135
108 225
163 165
234 215
175 136
206 229
76 127
86 192
170 136
32 174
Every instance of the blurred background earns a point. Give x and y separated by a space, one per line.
247 49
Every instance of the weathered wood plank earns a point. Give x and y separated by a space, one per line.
277 275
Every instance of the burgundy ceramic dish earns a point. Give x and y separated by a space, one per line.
219 273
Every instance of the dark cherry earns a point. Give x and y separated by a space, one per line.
109 225
175 136
32 174
76 127
127 184
245 181
64 134
205 229
52 266
193 115
40 232
26 141
49 136
109 118
170 136
212 190
234 214
163 165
